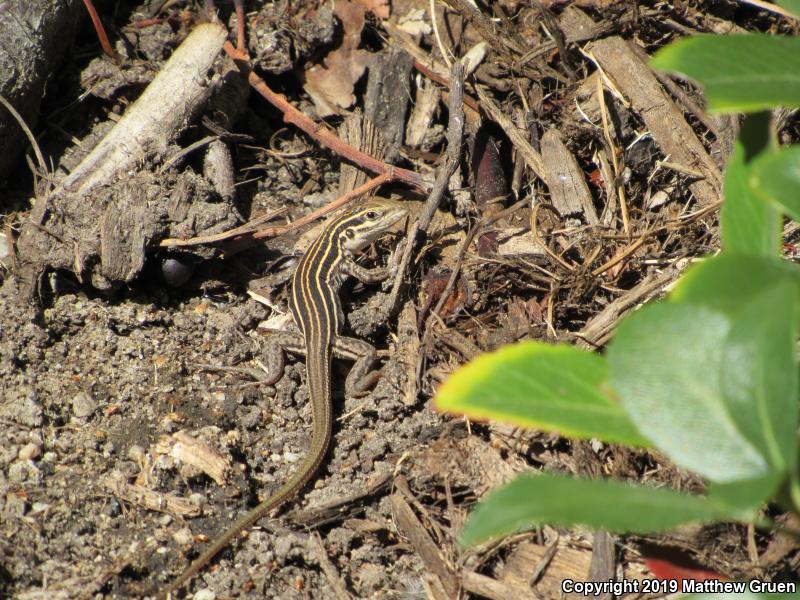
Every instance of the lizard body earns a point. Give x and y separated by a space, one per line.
317 313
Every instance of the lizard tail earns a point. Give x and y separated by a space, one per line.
318 368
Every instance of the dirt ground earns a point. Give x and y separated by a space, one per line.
134 417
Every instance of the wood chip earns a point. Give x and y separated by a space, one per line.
565 180
218 169
342 506
599 329
386 99
194 452
603 566
492 588
518 241
548 566
150 499
331 573
517 136
408 346
420 121
408 525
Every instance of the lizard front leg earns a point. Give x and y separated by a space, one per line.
364 275
376 275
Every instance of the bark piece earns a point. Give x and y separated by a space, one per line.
387 98
486 587
150 499
359 132
603 564
343 506
442 576
123 235
418 132
408 346
577 26
34 36
519 138
218 169
546 568
599 329
195 453
330 570
490 181
568 190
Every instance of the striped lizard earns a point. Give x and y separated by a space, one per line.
318 315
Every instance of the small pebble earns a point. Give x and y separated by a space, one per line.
109 449
183 537
26 409
136 453
205 594
23 471
15 505
39 507
30 451
291 457
113 508
176 272
3 246
83 405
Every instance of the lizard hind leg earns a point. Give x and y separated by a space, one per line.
276 344
361 376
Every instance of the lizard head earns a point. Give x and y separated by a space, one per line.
368 221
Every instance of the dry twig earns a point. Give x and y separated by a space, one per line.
320 132
455 132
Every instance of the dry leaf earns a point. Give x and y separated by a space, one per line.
331 87
331 84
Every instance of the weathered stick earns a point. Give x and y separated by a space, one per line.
179 90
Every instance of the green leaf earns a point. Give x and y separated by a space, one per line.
531 500
775 177
749 225
666 363
738 72
759 374
533 384
726 282
710 377
744 497
792 6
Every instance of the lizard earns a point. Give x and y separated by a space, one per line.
317 313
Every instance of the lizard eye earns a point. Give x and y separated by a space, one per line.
372 215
